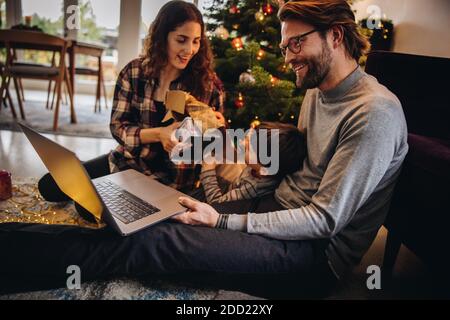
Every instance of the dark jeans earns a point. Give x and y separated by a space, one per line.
35 256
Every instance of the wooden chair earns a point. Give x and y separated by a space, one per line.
93 50
2 65
6 94
49 89
31 40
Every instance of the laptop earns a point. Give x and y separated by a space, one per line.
127 201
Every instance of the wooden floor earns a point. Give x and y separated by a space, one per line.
18 156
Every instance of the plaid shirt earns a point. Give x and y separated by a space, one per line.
134 109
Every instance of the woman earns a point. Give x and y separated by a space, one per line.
176 55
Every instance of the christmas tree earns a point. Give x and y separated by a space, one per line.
245 37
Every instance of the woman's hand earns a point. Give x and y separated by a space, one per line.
167 137
198 213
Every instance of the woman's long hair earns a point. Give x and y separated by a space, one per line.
197 76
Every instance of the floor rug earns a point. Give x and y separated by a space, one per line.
27 205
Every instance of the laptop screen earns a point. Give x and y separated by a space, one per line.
67 171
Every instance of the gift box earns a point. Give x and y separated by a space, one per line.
180 104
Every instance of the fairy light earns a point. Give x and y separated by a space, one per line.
273 80
260 54
255 123
27 206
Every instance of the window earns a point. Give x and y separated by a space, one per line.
2 14
150 9
45 14
99 23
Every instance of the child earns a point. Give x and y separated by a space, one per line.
252 183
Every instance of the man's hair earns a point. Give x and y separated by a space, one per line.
324 14
292 145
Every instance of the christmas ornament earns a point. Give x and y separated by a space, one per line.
267 9
246 77
239 102
221 32
237 43
234 9
259 16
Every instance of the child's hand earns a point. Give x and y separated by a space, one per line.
209 163
208 166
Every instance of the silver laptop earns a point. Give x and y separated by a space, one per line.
127 201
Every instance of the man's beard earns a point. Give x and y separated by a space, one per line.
318 68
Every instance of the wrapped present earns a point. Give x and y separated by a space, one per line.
180 104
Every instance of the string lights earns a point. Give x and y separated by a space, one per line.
27 206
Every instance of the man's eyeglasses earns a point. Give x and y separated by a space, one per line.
295 43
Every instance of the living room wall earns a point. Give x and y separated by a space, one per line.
420 27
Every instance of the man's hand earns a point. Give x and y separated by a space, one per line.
167 138
197 213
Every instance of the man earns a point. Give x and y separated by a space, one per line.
320 221
356 138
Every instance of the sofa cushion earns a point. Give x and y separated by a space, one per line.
419 212
430 154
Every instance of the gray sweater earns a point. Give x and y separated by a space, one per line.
356 141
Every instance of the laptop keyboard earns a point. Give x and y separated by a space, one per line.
123 205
